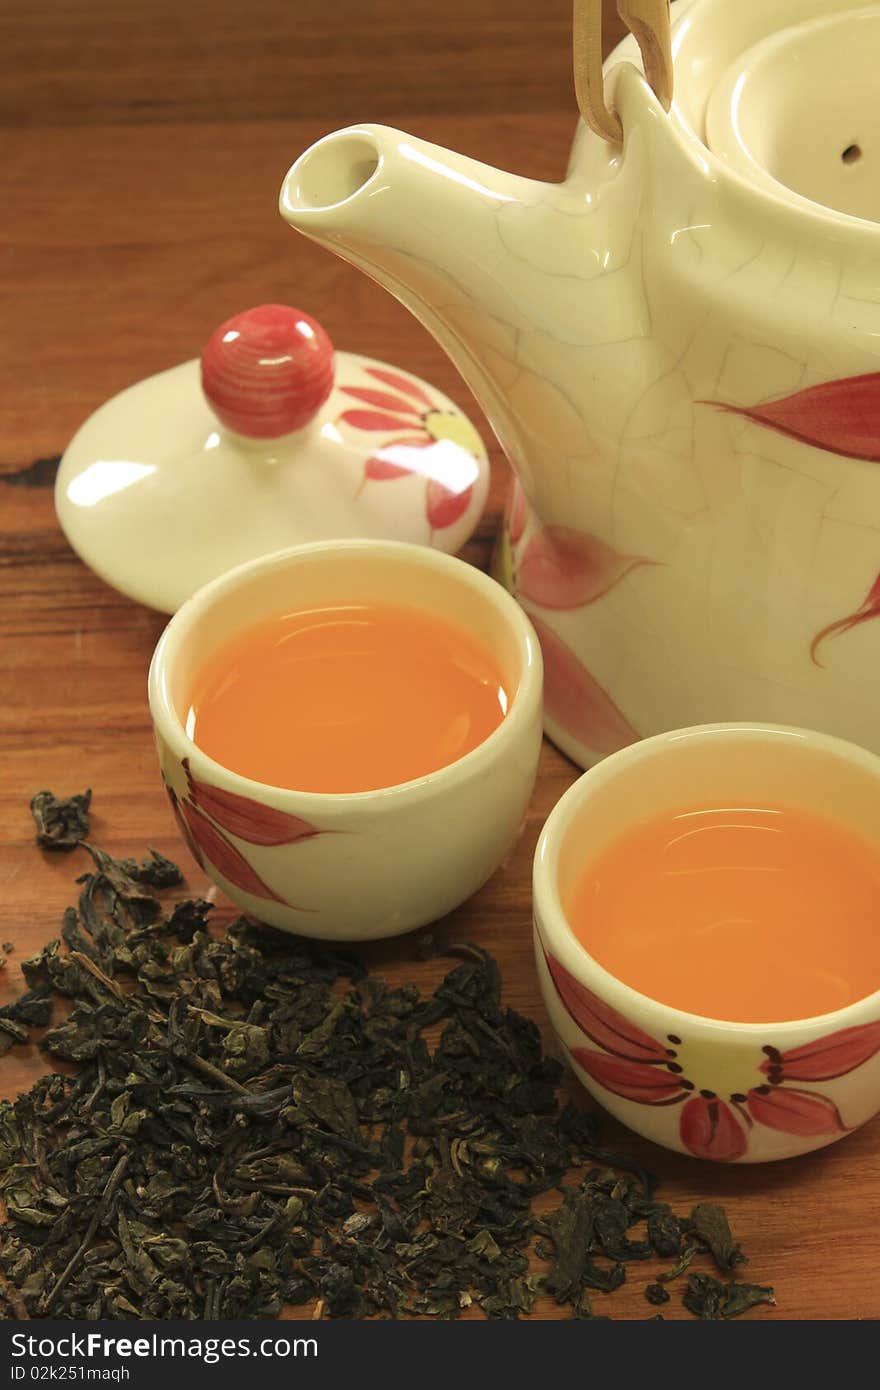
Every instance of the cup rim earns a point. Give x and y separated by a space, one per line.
552 923
519 715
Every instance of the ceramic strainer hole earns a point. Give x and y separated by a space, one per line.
851 154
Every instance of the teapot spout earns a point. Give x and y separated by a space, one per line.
423 222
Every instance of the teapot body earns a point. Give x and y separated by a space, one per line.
697 537
680 357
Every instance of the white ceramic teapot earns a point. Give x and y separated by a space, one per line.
679 350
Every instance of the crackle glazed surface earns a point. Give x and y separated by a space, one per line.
729 1092
369 864
682 364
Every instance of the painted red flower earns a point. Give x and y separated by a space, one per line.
249 820
575 700
867 609
842 416
639 1068
440 445
209 844
824 1059
210 810
563 568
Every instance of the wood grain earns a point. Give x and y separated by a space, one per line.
143 150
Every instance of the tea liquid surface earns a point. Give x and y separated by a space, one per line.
346 699
750 915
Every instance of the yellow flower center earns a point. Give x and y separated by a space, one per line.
720 1069
444 424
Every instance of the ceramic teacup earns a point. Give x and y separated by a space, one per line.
365 864
733 1092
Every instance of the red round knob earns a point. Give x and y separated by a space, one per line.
267 371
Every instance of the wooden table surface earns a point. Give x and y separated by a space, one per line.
143 148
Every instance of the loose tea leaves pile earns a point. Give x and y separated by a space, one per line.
254 1121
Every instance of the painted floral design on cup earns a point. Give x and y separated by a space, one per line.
640 1068
208 811
407 406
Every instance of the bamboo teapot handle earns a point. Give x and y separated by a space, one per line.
648 22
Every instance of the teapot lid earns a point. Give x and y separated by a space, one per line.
270 440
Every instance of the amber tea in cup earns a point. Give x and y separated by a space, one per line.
737 912
346 698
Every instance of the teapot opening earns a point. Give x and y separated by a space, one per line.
800 106
330 172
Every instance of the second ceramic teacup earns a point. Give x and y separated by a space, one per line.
365 864
725 1091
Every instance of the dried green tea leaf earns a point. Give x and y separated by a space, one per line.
664 1232
30 1010
571 1230
61 824
740 1297
709 1299
657 1294
685 1259
710 1225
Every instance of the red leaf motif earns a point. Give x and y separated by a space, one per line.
223 856
249 820
382 400
837 1054
563 568
795 1112
391 460
639 1081
398 382
841 416
576 701
443 507
380 470
868 608
517 511
185 830
601 1023
374 420
709 1129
